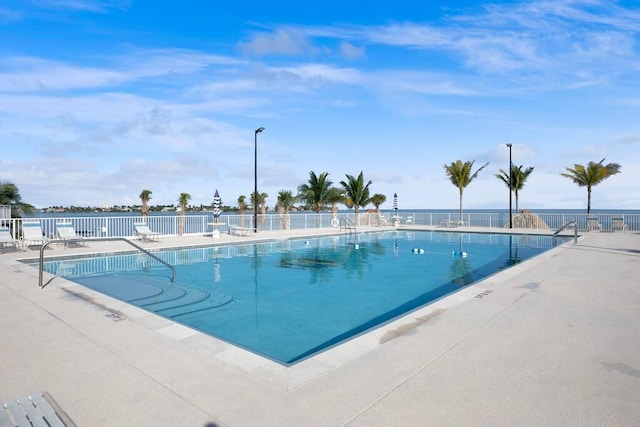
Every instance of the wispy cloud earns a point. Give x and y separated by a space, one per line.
351 52
279 42
540 74
83 5
628 139
30 74
8 16
525 42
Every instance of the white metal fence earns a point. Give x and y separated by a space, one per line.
169 225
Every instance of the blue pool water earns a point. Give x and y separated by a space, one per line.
290 299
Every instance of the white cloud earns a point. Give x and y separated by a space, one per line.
83 5
100 128
280 42
522 44
351 52
30 74
8 16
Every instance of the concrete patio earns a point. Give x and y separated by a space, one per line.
554 340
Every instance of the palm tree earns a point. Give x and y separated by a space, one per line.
591 175
315 193
518 179
145 196
242 208
10 195
286 199
460 175
260 204
356 192
378 199
183 200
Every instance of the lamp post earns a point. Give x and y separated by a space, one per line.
510 189
255 181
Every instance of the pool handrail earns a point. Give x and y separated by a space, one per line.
348 225
104 239
575 230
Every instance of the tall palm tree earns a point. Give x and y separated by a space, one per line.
286 199
378 199
183 200
461 176
145 196
316 192
242 208
356 192
10 195
591 175
518 179
260 204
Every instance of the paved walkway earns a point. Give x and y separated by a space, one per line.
553 341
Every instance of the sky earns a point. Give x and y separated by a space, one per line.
101 99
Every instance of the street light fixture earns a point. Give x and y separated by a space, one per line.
255 181
510 189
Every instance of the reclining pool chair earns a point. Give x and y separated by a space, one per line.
67 233
617 224
32 234
6 239
145 233
593 223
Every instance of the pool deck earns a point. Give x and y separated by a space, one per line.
552 341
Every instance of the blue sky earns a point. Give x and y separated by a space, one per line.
100 99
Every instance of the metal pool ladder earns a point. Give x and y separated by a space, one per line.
348 225
575 230
104 239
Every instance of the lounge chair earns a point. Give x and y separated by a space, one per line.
453 223
6 239
32 234
593 224
145 233
617 224
239 231
67 233
35 409
409 220
448 223
382 220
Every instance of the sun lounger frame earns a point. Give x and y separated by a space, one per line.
67 234
239 231
593 223
617 224
7 239
146 234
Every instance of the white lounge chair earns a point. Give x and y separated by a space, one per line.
33 409
6 239
145 232
239 231
32 234
593 223
382 220
617 224
67 233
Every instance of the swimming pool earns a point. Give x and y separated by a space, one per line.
290 299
